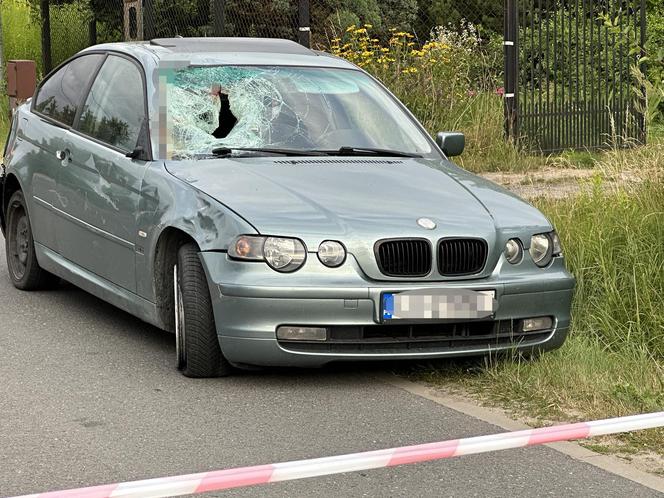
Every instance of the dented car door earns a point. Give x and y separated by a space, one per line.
99 188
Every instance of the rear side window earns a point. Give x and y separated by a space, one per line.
114 110
60 95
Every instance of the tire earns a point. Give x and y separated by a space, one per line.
24 270
197 345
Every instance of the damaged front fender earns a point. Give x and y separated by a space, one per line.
168 204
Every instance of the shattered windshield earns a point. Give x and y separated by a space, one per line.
279 107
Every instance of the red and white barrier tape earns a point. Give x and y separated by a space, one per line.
287 471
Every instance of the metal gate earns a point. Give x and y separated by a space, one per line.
571 73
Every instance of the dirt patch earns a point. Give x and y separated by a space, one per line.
560 182
647 461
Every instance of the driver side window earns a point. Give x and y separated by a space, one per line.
114 111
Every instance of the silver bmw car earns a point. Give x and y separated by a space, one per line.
270 205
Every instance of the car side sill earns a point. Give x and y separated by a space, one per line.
105 290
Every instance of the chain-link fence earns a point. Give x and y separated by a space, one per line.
59 28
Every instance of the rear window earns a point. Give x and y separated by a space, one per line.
60 95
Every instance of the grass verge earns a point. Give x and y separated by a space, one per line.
613 361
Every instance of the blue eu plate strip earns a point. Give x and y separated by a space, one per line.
388 306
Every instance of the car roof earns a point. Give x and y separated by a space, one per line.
264 45
226 50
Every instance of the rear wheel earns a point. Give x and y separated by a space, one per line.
196 343
24 270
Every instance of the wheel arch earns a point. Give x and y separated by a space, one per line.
10 185
165 257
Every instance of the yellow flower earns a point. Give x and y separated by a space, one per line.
368 26
349 29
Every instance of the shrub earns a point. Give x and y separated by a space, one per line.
69 29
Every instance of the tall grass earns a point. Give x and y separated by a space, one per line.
615 244
21 31
22 34
613 362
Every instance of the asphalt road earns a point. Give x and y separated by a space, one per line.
90 395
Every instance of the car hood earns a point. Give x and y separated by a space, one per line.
357 200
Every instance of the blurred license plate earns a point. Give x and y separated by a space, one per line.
439 304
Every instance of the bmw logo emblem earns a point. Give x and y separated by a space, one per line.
426 223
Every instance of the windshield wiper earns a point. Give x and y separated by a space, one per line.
228 151
367 151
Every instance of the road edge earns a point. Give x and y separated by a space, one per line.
498 417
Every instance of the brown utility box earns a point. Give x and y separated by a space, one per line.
21 81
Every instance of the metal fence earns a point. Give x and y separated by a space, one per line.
572 73
568 72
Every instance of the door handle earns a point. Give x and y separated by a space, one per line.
63 155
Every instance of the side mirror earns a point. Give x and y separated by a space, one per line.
451 143
137 153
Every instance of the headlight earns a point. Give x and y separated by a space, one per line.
541 249
331 253
513 251
284 254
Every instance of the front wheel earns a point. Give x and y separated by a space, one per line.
24 270
196 343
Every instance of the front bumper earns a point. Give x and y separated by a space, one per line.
251 301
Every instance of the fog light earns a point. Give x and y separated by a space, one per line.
538 323
301 333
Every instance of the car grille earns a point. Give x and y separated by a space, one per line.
461 256
404 257
435 337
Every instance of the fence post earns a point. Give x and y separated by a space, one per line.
304 23
148 20
92 30
218 13
511 77
643 132
45 36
